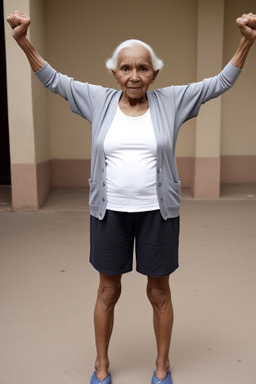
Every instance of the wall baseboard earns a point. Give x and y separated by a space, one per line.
31 183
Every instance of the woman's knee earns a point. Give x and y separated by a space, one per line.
109 290
159 294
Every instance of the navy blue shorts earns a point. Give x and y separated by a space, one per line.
156 243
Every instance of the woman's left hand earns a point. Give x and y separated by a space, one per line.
247 25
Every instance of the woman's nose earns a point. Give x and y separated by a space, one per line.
134 75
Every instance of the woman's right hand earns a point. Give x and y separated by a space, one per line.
19 23
247 25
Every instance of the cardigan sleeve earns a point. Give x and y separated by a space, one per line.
189 98
82 97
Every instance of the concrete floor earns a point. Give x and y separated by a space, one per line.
48 289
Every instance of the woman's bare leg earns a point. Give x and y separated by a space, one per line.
108 294
159 295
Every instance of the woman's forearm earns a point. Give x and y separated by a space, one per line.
35 60
238 60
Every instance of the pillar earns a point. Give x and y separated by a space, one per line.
206 181
27 124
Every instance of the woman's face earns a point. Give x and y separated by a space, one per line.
134 72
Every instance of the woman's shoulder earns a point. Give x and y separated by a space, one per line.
162 93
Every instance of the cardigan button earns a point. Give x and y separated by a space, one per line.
159 184
103 199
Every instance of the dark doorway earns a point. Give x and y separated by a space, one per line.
5 174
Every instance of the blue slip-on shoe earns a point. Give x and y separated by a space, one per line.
95 380
167 380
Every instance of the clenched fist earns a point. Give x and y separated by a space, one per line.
19 23
247 25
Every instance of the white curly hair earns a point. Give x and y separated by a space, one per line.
111 63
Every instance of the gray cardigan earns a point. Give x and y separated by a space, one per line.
169 107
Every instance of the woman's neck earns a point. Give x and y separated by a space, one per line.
133 107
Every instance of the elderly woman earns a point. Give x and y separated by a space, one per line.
134 184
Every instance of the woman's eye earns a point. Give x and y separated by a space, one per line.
143 69
125 69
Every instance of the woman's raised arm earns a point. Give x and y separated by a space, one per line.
247 26
19 23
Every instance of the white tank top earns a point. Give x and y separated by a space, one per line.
130 152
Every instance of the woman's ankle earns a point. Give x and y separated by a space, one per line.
161 369
101 368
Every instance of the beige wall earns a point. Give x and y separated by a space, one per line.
238 135
50 146
92 30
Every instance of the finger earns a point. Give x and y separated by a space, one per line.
242 21
16 12
251 21
20 19
16 20
16 17
248 14
11 21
